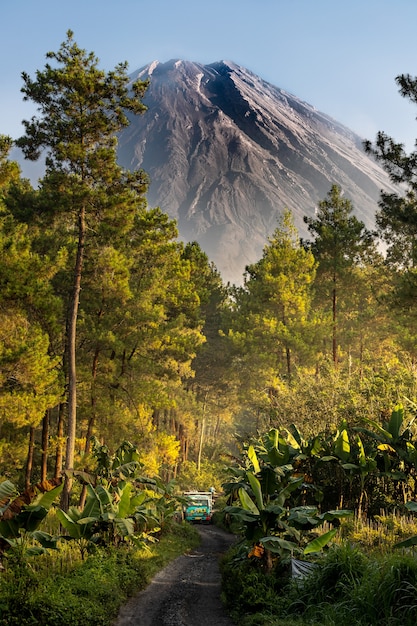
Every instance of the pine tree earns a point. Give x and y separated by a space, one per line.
271 326
397 221
29 373
81 109
341 243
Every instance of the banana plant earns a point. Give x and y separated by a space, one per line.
108 516
165 504
123 464
21 516
269 526
393 441
305 454
80 526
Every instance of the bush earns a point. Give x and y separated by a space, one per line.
349 587
247 590
90 592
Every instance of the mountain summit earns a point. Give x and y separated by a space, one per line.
227 152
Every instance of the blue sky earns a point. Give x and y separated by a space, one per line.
341 57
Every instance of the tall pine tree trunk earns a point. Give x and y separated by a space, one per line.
44 452
72 367
91 421
334 333
59 444
29 461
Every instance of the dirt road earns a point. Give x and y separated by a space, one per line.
186 592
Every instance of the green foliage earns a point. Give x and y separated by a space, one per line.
91 592
123 464
273 529
246 589
271 324
20 521
346 587
120 506
210 474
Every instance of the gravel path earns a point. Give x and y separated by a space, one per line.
186 592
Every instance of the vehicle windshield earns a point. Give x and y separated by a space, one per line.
198 502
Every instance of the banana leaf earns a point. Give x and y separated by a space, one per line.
31 517
294 438
104 496
411 452
317 447
7 491
93 506
9 529
125 527
45 539
253 459
247 502
256 488
302 516
277 448
396 421
78 528
73 529
320 542
46 499
287 491
244 515
381 434
385 447
278 545
125 507
342 445
329 516
407 543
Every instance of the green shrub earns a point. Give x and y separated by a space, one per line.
247 590
90 592
349 587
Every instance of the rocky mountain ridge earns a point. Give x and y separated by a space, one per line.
227 152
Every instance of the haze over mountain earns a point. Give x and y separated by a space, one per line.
227 152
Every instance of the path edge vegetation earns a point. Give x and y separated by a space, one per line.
89 591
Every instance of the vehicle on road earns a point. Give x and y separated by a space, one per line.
199 506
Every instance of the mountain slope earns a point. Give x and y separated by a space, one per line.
227 152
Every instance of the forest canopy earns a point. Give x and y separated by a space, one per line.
112 328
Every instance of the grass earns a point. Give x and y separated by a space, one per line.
361 580
63 590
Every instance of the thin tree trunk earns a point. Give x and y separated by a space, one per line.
288 357
217 429
334 338
361 356
29 461
45 441
59 437
268 561
72 368
87 448
183 443
200 444
91 422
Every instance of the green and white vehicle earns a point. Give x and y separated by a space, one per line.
199 506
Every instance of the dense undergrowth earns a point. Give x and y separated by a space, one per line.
64 590
356 582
